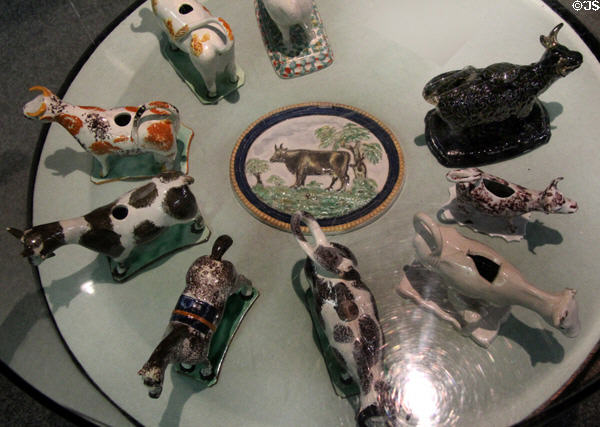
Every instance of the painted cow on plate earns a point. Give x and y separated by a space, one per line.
302 163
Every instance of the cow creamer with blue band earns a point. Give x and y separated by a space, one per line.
197 314
209 283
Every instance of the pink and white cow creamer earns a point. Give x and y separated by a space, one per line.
495 196
127 131
207 39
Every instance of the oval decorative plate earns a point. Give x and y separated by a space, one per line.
335 161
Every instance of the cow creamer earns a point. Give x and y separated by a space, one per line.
127 131
495 196
208 40
347 313
287 13
209 283
137 217
481 285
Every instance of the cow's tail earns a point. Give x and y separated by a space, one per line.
153 110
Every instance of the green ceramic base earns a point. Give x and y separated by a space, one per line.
175 238
235 310
342 388
180 61
143 166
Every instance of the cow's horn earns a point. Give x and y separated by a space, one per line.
15 232
45 91
551 39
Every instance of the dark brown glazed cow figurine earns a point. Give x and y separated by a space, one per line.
483 115
209 283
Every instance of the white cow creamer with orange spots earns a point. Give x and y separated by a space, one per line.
150 127
207 39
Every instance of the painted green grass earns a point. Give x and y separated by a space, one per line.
320 202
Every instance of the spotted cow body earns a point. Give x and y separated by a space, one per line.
115 229
126 131
495 196
209 283
347 314
208 40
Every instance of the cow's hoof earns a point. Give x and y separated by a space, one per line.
187 368
207 374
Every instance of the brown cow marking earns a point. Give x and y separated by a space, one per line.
160 104
160 135
71 123
369 333
180 203
197 43
342 334
146 231
102 147
121 139
227 27
101 237
144 196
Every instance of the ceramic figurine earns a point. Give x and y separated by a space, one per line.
481 285
490 114
116 229
192 329
481 200
294 36
346 312
287 13
206 40
126 131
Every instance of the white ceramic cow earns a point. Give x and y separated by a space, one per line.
137 217
151 127
287 13
207 39
481 285
347 314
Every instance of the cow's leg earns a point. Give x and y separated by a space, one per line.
344 182
333 180
300 177
244 285
231 68
122 263
285 36
153 371
103 160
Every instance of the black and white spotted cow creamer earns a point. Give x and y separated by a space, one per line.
347 313
115 229
209 283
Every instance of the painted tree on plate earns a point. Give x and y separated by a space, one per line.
276 180
257 167
352 137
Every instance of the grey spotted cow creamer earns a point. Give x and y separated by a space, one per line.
347 314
